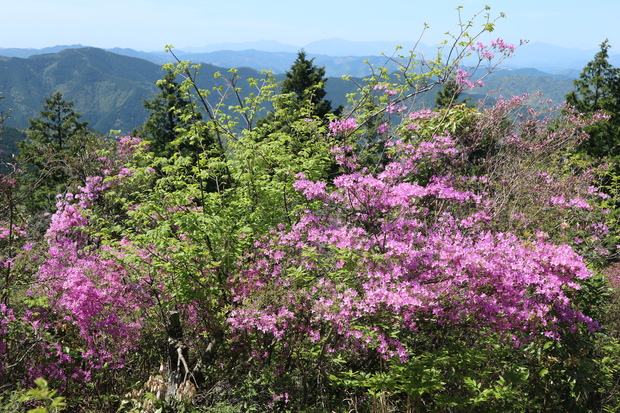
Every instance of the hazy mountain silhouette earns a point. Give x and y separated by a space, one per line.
339 56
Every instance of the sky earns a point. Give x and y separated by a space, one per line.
150 25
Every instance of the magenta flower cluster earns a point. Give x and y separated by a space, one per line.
463 77
386 254
339 127
90 297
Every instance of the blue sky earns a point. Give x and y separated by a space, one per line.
149 25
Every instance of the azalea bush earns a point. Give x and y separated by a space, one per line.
68 314
382 261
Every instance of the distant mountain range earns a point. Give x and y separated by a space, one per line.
106 88
340 57
109 86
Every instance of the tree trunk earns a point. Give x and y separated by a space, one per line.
178 371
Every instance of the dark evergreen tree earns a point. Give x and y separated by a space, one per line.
598 88
57 124
170 115
449 95
307 81
54 152
176 131
54 132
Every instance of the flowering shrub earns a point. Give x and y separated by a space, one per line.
433 240
84 311
385 254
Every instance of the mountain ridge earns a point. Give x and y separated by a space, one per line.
339 56
109 88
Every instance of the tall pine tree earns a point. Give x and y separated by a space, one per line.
57 124
54 152
598 88
170 115
307 81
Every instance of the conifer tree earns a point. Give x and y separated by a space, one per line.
52 150
449 94
307 81
598 88
57 124
169 115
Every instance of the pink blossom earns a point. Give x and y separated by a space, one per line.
338 127
383 128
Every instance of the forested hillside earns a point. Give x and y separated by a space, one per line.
257 246
340 57
107 88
